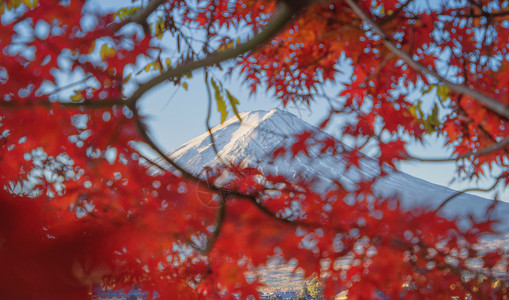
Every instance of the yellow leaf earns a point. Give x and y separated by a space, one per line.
31 3
154 65
126 79
221 105
159 29
413 111
107 51
443 92
233 103
124 13
185 85
78 96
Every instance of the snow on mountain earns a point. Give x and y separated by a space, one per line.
251 142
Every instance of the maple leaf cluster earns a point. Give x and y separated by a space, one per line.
79 208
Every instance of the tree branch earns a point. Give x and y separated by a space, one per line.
283 15
91 103
461 15
469 190
389 18
491 103
221 213
140 17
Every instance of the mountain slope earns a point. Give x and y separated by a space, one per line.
251 142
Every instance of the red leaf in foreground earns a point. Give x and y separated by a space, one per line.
300 144
391 152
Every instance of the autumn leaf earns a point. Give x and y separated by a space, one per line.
233 103
221 104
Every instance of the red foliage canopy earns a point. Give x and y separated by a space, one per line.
78 209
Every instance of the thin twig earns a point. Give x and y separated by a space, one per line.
69 85
488 189
491 103
151 161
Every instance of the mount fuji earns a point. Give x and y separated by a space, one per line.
251 141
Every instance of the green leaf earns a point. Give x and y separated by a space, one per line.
221 105
233 103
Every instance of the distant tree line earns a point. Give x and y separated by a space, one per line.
311 291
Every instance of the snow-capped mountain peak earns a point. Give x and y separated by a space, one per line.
251 141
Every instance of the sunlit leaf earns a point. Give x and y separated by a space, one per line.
233 103
221 104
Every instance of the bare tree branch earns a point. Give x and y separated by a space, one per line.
491 103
